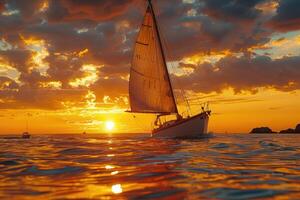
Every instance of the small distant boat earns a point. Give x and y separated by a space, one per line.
84 133
26 135
150 88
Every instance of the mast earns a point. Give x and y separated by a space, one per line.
27 122
163 53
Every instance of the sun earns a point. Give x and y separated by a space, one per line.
109 125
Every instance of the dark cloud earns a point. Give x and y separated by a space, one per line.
27 97
105 31
112 87
104 43
1 5
288 16
56 11
27 8
17 58
64 69
33 79
193 28
232 9
92 10
10 24
245 74
7 84
115 70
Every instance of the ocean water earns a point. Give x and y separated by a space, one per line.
231 166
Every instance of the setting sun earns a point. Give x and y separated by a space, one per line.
109 125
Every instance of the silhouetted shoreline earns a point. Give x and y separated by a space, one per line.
267 130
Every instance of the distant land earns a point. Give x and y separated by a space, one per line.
262 130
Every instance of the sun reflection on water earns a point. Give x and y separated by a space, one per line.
109 167
117 189
114 173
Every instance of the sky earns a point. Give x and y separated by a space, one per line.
64 65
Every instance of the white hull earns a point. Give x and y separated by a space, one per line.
193 127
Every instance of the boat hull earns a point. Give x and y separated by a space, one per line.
193 127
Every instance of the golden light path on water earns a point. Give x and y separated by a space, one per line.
117 189
232 166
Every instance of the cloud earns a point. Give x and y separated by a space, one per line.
115 70
17 58
29 98
112 87
32 79
10 25
1 6
210 26
232 10
64 68
103 42
7 84
77 33
244 74
27 8
287 17
92 10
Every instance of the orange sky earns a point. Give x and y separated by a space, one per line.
67 72
231 113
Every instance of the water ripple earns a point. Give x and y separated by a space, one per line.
235 194
139 167
34 170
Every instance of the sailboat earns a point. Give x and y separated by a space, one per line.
150 87
26 134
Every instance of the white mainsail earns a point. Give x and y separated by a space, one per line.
150 88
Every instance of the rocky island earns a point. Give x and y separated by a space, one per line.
264 130
297 129
290 130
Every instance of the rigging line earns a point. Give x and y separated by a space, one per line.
162 53
174 95
172 57
157 49
182 90
199 102
173 68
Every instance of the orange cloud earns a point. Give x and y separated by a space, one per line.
39 50
244 73
90 76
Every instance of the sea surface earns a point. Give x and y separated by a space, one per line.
226 166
